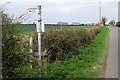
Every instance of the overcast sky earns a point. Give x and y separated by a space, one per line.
53 11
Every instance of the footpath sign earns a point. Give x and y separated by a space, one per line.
32 10
40 28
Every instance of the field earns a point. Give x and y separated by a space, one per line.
32 28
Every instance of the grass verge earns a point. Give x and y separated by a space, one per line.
89 63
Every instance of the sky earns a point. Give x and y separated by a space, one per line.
53 11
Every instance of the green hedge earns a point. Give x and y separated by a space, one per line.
118 24
62 44
89 63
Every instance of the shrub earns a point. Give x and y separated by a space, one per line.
62 44
103 20
15 52
118 24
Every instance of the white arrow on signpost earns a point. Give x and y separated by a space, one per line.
32 10
40 28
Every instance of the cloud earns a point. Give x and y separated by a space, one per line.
77 1
64 9
71 9
57 1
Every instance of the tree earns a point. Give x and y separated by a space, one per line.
103 20
118 24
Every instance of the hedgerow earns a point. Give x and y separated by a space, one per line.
62 44
15 50
89 63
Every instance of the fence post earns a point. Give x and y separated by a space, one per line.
31 44
31 50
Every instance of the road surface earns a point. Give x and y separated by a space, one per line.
112 59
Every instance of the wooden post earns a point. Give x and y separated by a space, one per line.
31 44
31 50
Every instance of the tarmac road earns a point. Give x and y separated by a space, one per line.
112 59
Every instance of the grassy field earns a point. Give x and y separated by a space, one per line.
32 28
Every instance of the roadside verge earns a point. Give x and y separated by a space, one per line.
89 63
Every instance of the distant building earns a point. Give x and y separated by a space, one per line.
75 23
90 24
112 23
62 23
